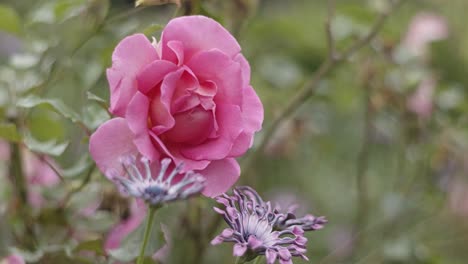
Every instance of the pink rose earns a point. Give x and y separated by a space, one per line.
187 97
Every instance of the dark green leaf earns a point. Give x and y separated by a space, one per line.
91 245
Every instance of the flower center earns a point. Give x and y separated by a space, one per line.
154 191
191 127
258 227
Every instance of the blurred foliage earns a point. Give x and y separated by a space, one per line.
357 128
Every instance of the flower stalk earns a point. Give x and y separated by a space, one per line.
149 226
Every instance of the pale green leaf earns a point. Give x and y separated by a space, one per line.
78 168
51 147
33 101
9 132
9 20
95 246
130 247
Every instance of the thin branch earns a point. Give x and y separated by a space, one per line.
328 29
309 88
51 166
83 184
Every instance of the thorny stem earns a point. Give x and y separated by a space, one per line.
149 225
308 89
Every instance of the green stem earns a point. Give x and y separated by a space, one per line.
149 225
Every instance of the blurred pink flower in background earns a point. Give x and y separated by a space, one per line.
187 97
38 173
13 259
162 255
421 101
424 28
126 226
458 197
340 242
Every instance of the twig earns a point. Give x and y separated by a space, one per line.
328 29
50 165
83 184
309 88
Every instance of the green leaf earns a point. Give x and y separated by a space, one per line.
94 97
94 116
9 20
33 101
9 132
28 255
130 247
51 147
91 245
78 168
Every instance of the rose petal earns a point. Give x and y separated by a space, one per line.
109 143
220 176
252 116
153 74
191 127
129 57
138 123
219 68
197 33
178 48
242 143
245 69
173 151
160 105
229 119
252 110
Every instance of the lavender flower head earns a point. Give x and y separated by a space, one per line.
258 229
165 187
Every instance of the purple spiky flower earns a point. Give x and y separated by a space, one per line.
258 229
161 187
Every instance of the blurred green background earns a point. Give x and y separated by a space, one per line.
380 148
